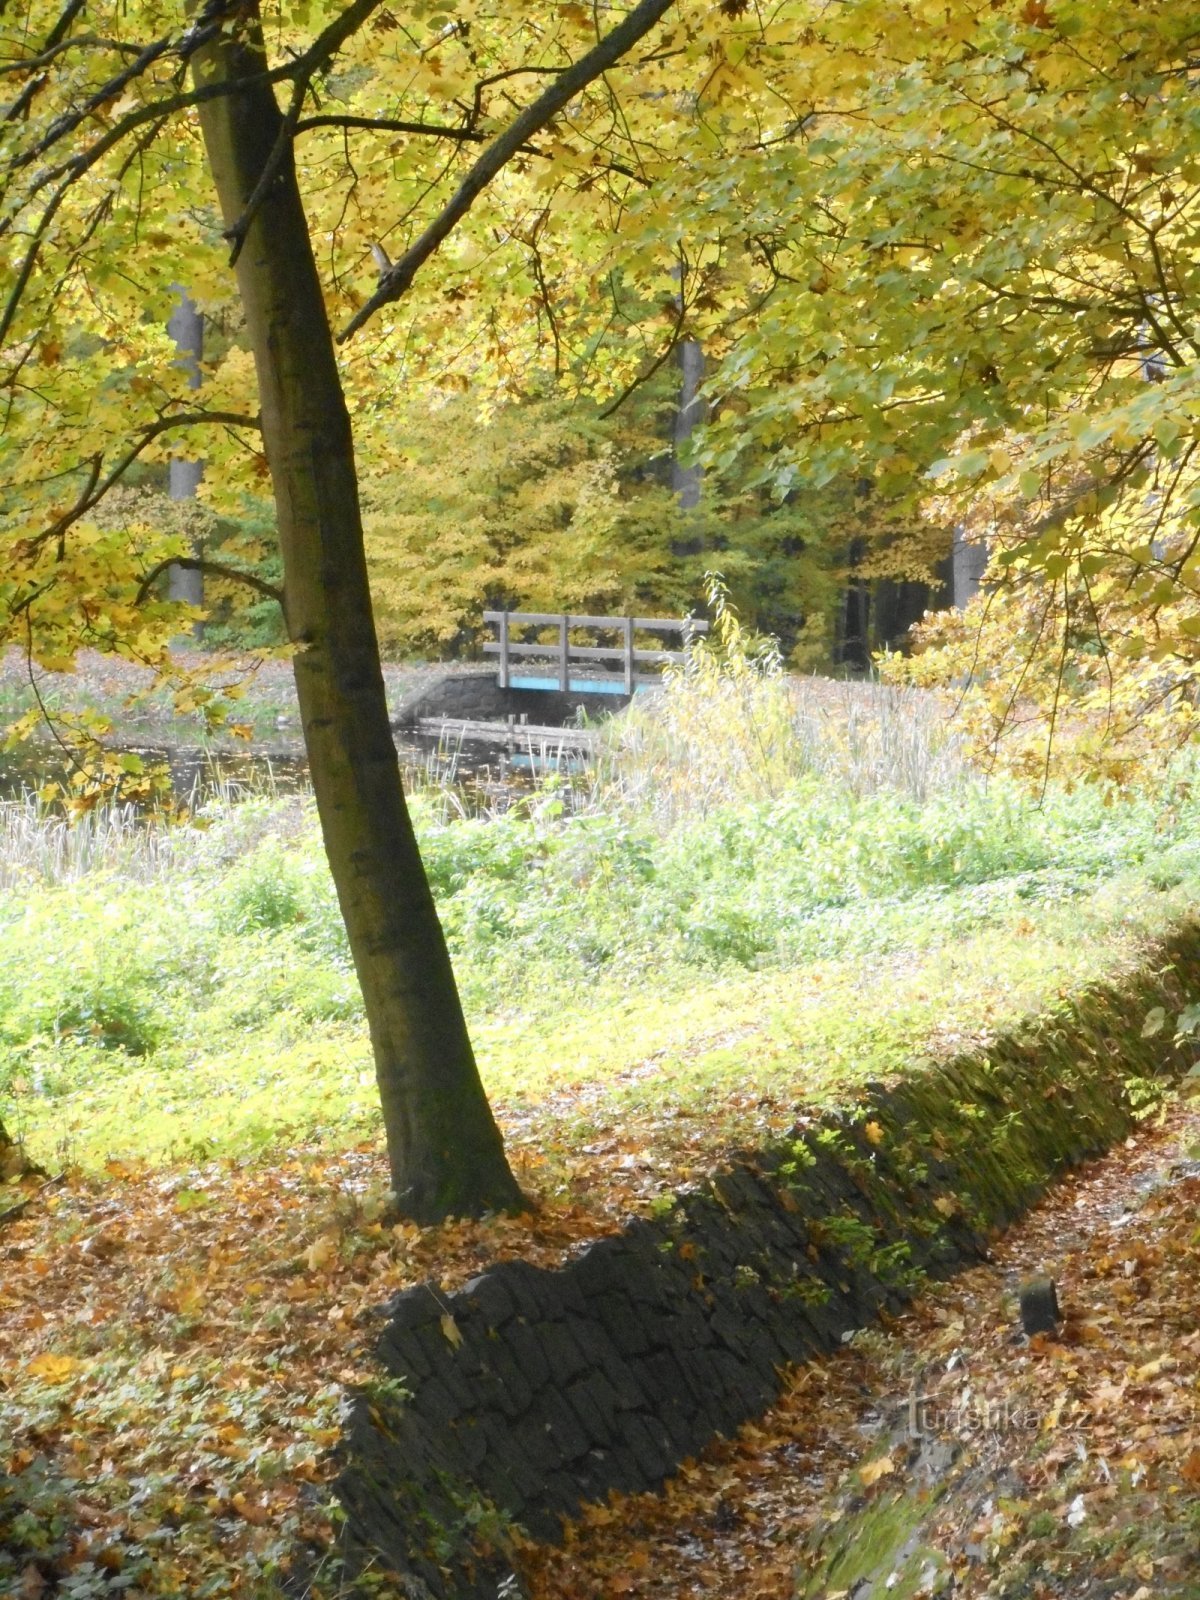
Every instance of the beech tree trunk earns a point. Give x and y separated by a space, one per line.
687 481
445 1150
186 327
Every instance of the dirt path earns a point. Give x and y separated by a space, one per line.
1064 1465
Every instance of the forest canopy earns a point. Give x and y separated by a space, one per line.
941 274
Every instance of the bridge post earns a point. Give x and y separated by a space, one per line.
627 629
564 666
504 649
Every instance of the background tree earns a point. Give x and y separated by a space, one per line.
966 269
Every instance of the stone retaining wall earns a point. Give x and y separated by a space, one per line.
545 1389
477 697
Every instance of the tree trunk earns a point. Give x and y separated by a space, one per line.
969 563
13 1161
186 328
445 1150
687 481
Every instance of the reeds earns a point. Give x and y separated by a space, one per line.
41 844
729 726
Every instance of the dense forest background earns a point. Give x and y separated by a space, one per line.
553 502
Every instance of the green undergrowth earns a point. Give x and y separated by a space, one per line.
164 996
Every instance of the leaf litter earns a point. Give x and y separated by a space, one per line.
1057 1465
175 1346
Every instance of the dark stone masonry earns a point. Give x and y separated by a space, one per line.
528 1392
477 697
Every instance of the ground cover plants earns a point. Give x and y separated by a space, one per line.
658 964
696 927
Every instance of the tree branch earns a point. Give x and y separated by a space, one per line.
70 120
97 489
81 41
236 233
434 130
56 40
396 281
302 67
656 365
216 569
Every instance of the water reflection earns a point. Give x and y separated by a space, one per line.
474 775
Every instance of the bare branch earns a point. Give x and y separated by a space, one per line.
215 569
396 282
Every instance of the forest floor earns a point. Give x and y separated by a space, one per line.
1066 1464
175 1344
122 691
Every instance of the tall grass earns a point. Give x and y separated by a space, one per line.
223 817
41 845
729 727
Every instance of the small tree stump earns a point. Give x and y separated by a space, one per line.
1039 1306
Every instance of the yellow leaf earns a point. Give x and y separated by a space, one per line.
874 1470
1153 1368
54 1369
190 1298
321 1252
947 1204
874 1132
450 1329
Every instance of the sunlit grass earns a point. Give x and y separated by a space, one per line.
735 1052
757 907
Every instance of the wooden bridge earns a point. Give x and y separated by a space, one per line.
573 668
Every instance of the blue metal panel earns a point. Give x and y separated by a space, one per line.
578 685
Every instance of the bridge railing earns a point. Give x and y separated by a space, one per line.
582 668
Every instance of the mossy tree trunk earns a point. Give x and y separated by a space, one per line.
445 1150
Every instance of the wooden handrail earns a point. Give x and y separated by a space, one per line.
551 619
580 652
563 652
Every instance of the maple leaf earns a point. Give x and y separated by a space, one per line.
1036 14
321 1252
51 1368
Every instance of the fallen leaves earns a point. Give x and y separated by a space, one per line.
871 1472
1049 1440
176 1345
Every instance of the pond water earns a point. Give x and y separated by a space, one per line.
479 775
